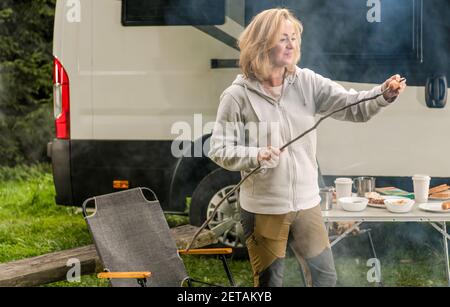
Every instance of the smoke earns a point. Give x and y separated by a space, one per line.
330 43
358 42
406 258
191 11
345 40
436 31
399 247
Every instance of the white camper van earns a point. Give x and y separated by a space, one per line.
129 73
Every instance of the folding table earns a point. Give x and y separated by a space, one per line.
370 214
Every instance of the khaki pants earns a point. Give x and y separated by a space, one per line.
268 235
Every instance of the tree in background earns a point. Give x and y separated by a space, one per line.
26 121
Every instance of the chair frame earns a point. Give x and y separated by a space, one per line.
142 277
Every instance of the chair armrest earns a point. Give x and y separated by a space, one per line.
206 251
124 275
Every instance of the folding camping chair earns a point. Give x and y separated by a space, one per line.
134 243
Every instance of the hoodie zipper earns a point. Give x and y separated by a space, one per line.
294 167
291 154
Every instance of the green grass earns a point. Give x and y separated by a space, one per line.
31 224
353 272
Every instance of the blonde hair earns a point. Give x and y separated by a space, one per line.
260 36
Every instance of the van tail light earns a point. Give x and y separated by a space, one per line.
61 100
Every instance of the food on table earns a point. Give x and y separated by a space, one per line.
441 195
446 205
400 202
439 188
375 198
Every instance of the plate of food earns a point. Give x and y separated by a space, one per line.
376 200
439 207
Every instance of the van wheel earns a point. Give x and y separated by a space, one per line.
226 223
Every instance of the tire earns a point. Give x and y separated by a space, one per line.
211 189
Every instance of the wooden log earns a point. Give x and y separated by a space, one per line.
53 267
184 234
47 268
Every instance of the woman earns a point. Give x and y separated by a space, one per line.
280 205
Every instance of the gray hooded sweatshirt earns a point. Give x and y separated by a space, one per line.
248 119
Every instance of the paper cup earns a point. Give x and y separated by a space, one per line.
343 187
421 188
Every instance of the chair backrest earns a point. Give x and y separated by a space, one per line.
131 234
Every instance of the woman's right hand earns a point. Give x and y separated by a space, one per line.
269 157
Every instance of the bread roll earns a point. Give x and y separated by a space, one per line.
438 189
441 195
446 205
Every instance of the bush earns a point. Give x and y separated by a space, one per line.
26 33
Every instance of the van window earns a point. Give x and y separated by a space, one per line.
173 12
356 29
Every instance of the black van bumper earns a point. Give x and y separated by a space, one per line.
59 152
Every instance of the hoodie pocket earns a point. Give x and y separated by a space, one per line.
261 182
310 153
248 186
273 186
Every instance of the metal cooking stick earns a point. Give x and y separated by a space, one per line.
231 192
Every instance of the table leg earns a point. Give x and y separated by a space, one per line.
346 233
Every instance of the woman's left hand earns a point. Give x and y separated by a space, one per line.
395 87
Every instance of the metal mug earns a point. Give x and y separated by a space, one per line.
364 185
326 195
